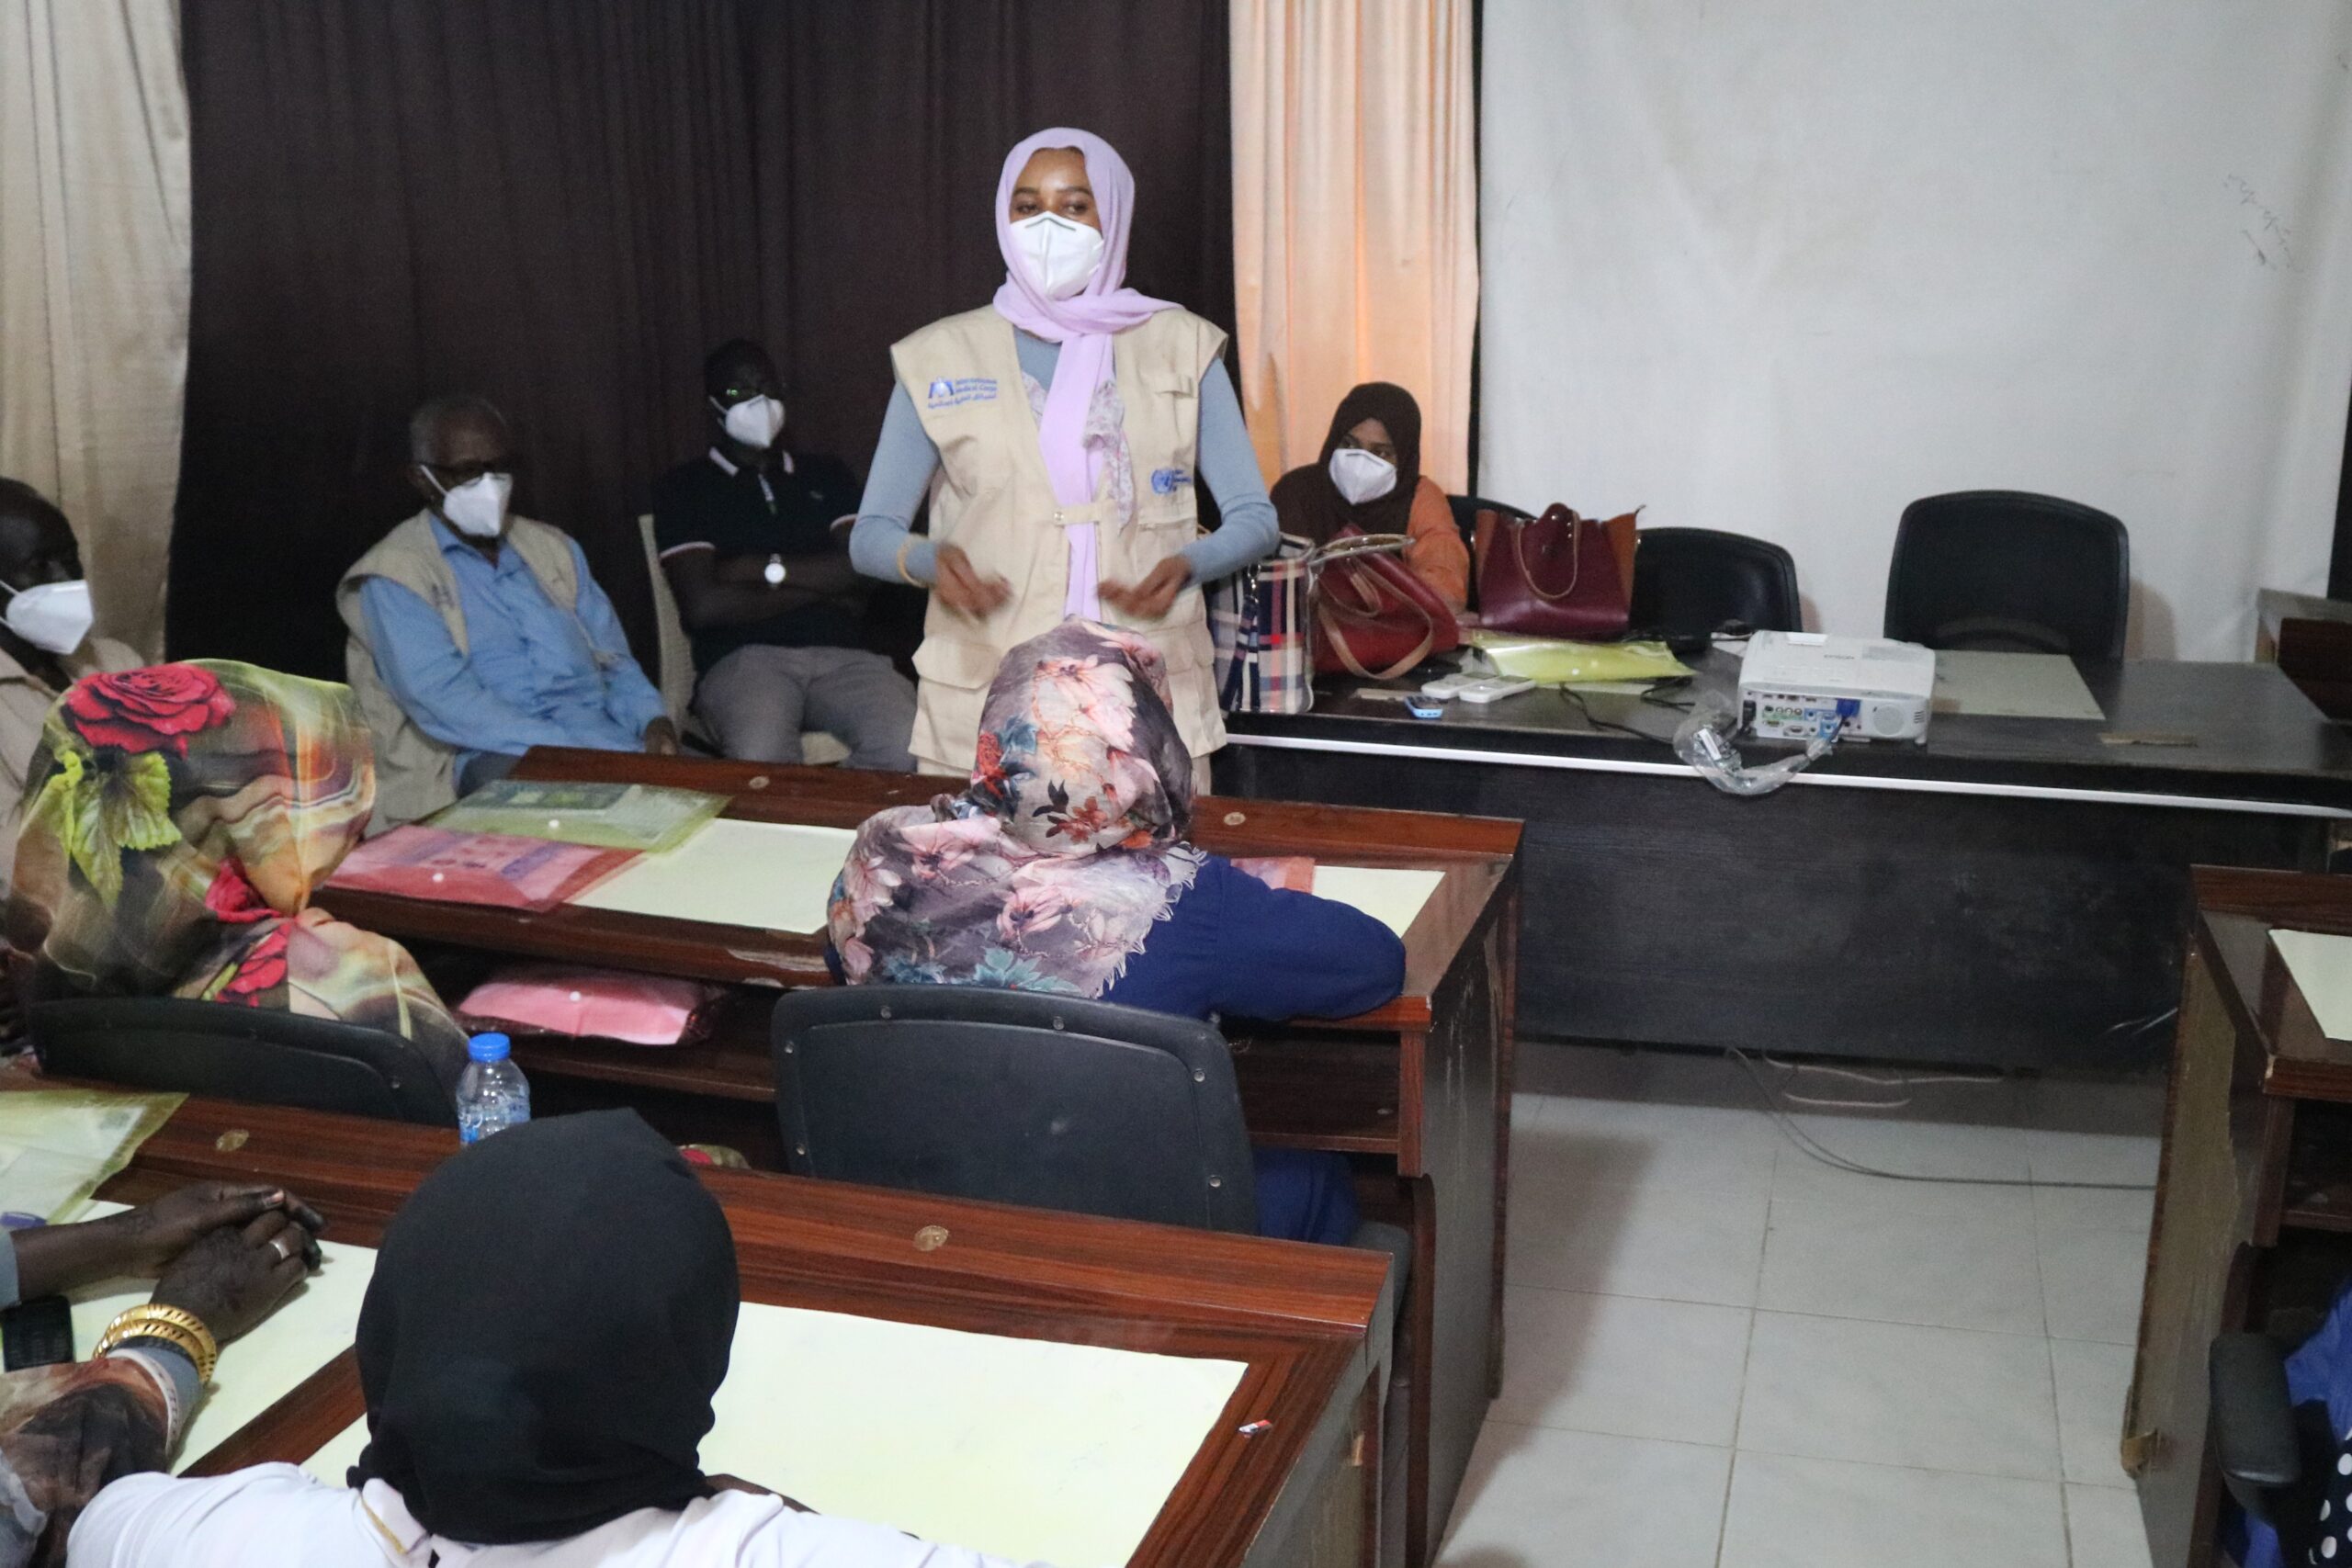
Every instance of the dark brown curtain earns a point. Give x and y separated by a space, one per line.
563 203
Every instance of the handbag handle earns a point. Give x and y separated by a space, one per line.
1355 666
1518 526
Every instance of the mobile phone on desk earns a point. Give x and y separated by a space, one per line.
38 1333
1494 688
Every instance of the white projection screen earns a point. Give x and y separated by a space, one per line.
1782 266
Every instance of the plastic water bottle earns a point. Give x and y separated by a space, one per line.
493 1094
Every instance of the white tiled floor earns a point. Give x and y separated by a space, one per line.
1724 1354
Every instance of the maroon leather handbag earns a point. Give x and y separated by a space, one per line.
1373 619
1559 575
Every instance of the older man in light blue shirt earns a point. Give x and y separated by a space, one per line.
523 661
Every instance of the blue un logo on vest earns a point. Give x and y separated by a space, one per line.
946 394
1168 481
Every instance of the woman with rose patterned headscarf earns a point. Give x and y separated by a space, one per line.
176 821
1064 868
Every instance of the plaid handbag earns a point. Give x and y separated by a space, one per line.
1260 624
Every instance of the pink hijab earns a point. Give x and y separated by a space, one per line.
1082 324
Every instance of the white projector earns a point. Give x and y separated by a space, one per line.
1792 685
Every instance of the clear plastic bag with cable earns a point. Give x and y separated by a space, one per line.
1703 740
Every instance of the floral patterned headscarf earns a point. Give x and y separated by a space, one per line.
176 821
1047 872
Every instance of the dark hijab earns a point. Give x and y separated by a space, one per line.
550 1314
1307 504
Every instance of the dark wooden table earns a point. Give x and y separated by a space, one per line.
1310 1321
1417 1090
2253 1200
2013 892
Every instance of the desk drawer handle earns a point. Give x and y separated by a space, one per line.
931 1239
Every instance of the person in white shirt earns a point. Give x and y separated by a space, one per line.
549 1317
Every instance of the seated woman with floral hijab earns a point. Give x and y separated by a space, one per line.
1064 868
177 820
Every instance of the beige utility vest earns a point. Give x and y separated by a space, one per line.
416 774
993 498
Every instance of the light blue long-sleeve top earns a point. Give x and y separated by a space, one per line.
531 676
905 459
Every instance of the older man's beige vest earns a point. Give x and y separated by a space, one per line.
992 497
416 774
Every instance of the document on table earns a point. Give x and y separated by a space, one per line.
2013 685
1393 896
59 1145
316 1324
773 875
2322 965
1029 1449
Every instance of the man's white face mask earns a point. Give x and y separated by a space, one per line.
478 507
1361 476
1061 254
755 421
53 616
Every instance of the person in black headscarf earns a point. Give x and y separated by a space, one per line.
1369 477
550 1315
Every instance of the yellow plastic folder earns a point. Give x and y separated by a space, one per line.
1549 661
59 1145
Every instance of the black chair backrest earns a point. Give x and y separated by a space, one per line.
1017 1097
262 1056
1689 581
1466 513
2006 570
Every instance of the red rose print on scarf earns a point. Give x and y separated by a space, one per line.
232 897
262 967
145 710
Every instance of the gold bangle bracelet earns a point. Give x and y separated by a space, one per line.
171 1325
905 545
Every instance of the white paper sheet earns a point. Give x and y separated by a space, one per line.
773 875
1391 894
314 1327
2322 965
2013 685
1026 1448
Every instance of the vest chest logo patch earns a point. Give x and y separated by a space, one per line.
945 393
1168 481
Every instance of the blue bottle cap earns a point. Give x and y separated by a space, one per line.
489 1047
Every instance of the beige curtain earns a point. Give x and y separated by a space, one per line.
1355 201
94 283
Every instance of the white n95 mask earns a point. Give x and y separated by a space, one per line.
1060 255
755 421
478 507
53 616
1361 476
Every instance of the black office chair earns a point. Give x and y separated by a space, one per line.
1466 513
262 1056
1015 1097
2278 1459
2008 572
1689 582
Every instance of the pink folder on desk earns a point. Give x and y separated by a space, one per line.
498 869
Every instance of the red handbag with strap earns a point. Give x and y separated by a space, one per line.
1372 618
1559 575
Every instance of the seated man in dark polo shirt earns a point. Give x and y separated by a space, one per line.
766 586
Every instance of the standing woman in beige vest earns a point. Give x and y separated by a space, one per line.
1062 433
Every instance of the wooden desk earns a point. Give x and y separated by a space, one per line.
1420 1085
2253 1200
2013 892
1308 1320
